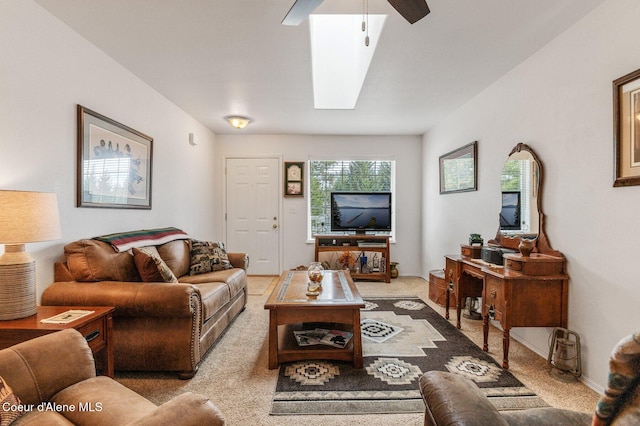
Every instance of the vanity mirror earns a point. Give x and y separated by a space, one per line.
530 288
521 214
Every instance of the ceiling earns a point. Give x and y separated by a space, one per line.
218 57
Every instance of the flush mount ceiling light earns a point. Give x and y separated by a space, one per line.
238 121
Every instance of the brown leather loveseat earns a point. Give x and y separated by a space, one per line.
52 381
158 326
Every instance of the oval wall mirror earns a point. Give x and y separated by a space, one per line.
521 213
520 188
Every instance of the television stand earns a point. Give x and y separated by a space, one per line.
329 246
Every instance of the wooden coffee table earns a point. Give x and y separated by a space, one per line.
337 306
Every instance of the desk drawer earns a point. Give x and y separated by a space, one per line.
513 265
494 296
474 252
95 334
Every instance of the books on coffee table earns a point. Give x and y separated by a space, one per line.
321 336
309 337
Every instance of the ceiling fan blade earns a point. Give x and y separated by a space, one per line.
411 10
299 11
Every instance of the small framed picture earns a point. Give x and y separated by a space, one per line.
626 129
458 172
293 179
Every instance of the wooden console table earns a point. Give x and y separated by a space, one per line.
96 328
358 243
525 292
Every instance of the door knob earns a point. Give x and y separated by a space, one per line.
275 226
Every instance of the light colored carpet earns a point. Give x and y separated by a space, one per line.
235 376
259 284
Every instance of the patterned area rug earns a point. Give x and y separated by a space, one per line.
401 339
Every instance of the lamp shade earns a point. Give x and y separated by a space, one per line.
27 217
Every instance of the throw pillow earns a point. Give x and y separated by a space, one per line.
208 256
10 406
151 267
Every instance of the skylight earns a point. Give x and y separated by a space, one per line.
340 59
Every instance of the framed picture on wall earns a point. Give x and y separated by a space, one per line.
294 179
114 163
626 129
458 171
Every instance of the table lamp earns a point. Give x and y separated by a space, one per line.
25 217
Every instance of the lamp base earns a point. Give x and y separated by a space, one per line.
17 283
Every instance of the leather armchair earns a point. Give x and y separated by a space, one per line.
55 378
451 399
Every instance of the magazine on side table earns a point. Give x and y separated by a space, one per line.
66 317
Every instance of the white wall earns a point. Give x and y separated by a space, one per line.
559 101
45 70
406 150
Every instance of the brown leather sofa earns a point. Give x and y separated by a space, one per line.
158 326
54 377
452 400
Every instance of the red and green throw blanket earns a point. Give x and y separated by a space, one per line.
124 241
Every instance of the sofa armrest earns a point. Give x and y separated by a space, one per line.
239 260
185 409
131 299
451 399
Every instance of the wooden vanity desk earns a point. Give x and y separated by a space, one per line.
527 291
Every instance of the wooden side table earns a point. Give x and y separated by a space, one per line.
97 328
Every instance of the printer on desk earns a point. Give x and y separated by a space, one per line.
494 255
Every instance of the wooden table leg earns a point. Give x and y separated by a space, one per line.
485 333
273 339
458 310
447 299
109 349
357 340
505 348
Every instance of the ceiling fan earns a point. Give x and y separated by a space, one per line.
411 10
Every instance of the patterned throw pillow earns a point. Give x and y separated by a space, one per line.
151 267
9 404
208 256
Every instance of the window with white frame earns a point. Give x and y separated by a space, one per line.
327 176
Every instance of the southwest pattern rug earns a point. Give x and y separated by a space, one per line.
401 339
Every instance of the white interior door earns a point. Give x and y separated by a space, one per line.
253 222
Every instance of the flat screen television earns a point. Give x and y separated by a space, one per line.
361 212
510 212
